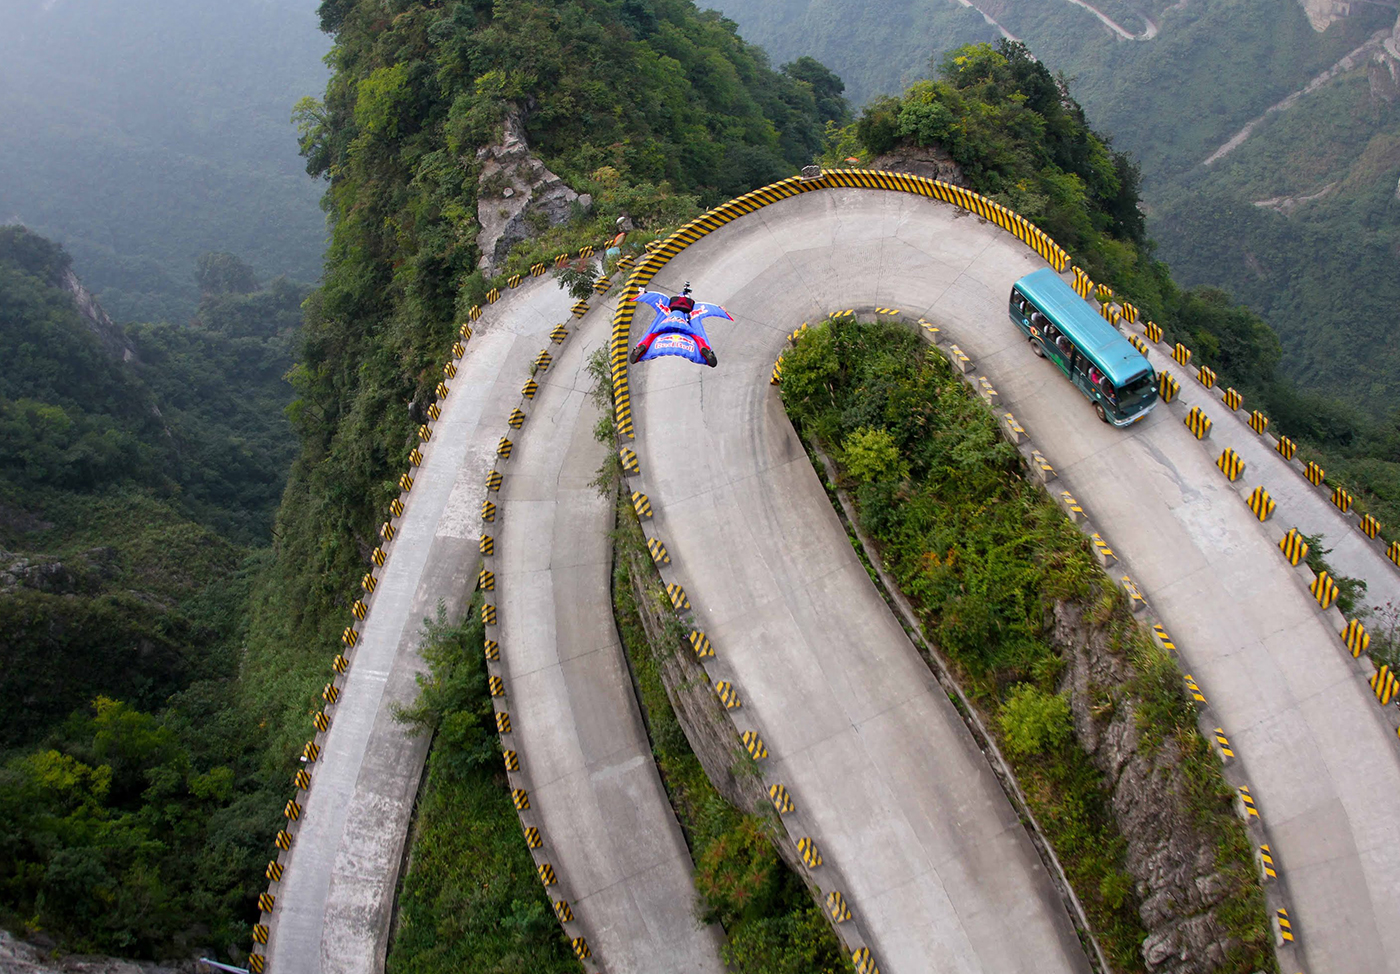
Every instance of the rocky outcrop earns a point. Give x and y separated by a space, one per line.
97 320
517 195
18 957
921 160
1322 13
707 727
81 575
1172 862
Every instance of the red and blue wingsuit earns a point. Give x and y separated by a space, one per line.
676 329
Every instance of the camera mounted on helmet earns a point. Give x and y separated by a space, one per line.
682 302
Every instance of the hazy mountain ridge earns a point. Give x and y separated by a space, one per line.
137 163
1173 100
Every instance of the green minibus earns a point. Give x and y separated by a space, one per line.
1102 364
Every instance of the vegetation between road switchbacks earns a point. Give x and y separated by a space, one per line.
771 923
470 898
991 566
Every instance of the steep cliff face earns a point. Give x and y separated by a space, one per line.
1322 13
931 162
18 957
1173 863
517 194
97 320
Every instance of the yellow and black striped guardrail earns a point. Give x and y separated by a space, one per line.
1167 385
1230 464
711 221
700 643
1324 589
1266 863
1198 423
1259 423
1294 548
658 551
1341 500
754 745
1356 638
727 694
1385 684
1261 503
1222 745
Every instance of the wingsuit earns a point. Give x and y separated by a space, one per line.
677 329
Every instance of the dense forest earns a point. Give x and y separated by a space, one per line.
141 135
139 472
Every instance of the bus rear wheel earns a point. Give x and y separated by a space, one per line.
1035 347
1098 408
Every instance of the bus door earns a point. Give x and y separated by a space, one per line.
1079 375
1058 348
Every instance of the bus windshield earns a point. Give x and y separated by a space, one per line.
1136 389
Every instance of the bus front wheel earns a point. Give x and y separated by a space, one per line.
1098 408
1035 347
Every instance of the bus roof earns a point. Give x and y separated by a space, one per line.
1103 343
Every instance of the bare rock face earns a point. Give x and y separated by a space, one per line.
1321 13
97 320
83 574
931 162
517 195
18 957
707 727
1173 865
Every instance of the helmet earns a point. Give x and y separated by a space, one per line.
681 302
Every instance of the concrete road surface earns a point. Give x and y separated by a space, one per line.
938 867
586 760
334 902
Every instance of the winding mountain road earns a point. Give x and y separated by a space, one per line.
937 869
831 681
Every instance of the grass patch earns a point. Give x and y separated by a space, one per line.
470 899
985 557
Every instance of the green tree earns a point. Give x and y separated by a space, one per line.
221 273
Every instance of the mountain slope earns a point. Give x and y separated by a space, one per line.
139 135
1194 76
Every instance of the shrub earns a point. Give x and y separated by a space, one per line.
1033 721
